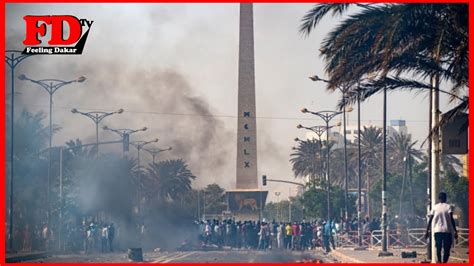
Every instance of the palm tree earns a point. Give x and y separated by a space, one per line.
319 11
30 134
449 163
371 154
168 180
76 152
390 40
401 149
308 159
337 166
29 197
400 38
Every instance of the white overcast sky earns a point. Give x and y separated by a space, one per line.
130 43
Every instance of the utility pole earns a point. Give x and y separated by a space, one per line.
50 86
12 59
359 180
346 181
428 178
327 116
384 251
140 144
435 152
343 90
384 175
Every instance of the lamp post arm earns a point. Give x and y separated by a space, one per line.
331 116
86 114
58 86
50 87
43 85
140 144
323 117
132 131
100 117
116 131
12 61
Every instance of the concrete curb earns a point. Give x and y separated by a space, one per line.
25 257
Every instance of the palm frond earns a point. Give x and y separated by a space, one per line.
314 16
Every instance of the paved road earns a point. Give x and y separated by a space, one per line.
458 255
241 256
199 257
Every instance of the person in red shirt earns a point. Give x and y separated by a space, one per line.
296 235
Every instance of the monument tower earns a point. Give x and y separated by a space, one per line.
247 124
246 201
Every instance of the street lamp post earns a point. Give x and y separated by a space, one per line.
384 251
51 86
359 180
96 117
155 151
12 58
139 145
343 90
122 132
327 116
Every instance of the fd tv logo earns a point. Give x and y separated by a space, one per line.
63 34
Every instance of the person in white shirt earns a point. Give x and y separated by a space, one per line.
104 235
441 223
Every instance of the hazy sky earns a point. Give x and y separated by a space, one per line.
173 68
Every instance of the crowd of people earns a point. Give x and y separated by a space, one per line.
99 237
297 235
90 237
262 235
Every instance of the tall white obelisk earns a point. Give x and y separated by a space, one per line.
247 125
247 201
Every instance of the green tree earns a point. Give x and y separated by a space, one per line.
30 180
308 159
280 211
402 157
457 188
337 166
401 150
169 180
315 201
388 42
215 199
371 154
399 46
394 187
